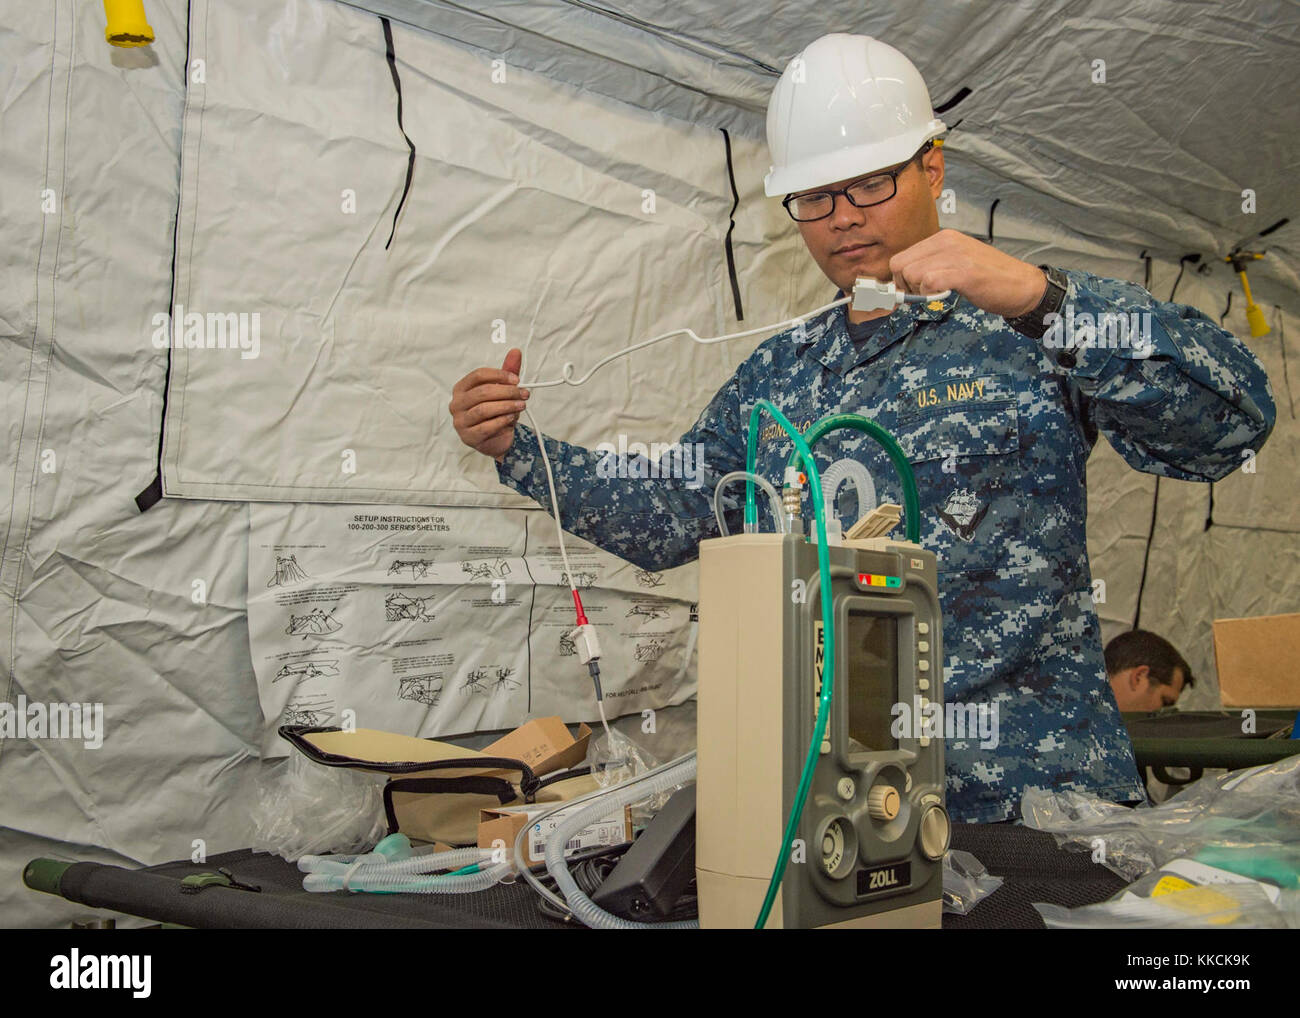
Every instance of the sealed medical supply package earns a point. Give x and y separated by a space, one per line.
966 882
1247 818
1225 851
1185 894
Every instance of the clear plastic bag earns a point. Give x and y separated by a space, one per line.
303 808
1225 851
966 882
615 759
1246 821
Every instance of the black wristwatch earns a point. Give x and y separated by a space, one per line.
1031 323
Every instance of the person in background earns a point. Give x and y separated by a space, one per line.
1145 671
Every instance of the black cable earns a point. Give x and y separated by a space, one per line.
590 870
1177 279
1182 264
992 207
1226 308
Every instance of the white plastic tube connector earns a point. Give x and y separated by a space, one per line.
579 904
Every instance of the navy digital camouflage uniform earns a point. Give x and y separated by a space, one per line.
998 428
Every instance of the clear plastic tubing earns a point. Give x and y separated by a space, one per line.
398 883
762 482
362 870
582 906
453 860
856 474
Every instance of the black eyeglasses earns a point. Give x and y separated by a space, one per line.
873 190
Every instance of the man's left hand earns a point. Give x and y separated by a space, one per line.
989 279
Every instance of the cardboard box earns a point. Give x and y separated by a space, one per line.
1258 661
544 744
504 824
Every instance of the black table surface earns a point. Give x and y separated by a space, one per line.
1032 866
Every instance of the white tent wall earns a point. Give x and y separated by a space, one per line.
539 215
103 611
100 601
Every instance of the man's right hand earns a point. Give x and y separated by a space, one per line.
485 405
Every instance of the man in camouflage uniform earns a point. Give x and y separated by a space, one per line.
996 393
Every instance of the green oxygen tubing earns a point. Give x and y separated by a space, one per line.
803 452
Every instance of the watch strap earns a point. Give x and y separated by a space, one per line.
1033 323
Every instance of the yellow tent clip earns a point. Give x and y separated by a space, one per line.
1254 313
126 23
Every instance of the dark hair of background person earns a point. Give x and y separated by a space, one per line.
1140 647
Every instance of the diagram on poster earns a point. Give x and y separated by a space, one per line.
447 621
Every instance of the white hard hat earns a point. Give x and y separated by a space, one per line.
846 106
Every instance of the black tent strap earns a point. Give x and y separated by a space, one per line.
153 492
1286 376
151 495
410 159
962 93
735 204
1146 555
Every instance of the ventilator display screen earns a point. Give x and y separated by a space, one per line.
871 645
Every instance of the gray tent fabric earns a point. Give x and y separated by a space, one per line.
224 151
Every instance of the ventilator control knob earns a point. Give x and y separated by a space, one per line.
883 802
935 831
839 848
